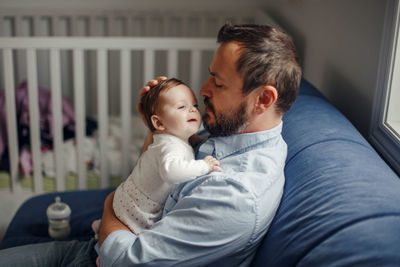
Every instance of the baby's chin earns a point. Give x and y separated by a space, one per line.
193 132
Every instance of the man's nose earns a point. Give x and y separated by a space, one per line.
205 90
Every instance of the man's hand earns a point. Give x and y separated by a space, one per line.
109 222
144 90
149 138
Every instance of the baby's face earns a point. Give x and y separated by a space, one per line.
179 112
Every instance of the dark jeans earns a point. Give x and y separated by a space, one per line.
57 253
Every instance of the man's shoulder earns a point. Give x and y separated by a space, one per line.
218 184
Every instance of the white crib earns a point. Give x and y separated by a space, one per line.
100 47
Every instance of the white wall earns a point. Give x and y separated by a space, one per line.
339 42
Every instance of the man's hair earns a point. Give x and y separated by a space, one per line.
268 57
150 101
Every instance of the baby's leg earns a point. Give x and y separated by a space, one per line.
95 228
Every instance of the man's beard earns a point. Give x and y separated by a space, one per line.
226 124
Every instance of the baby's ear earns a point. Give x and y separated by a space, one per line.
157 123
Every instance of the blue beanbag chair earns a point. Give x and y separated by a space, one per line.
341 203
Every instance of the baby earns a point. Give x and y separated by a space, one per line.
171 112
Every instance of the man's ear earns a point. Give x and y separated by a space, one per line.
157 123
267 97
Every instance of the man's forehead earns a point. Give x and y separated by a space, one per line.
225 60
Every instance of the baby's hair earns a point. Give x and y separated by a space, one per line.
149 103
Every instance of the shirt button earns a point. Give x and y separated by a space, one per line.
219 154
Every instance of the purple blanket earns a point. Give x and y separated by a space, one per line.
46 124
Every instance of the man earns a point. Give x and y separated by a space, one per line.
220 218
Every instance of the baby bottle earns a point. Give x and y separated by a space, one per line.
58 215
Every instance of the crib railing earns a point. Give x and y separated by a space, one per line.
106 20
100 48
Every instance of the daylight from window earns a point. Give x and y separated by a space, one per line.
393 97
385 126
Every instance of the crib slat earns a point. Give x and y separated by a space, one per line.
126 107
185 25
92 25
195 69
55 26
172 69
2 25
129 25
203 26
110 26
147 26
148 64
34 122
79 100
57 117
8 67
102 105
36 26
19 55
18 25
73 24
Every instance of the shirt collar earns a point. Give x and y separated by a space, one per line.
223 146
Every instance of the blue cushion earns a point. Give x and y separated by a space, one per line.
29 224
341 203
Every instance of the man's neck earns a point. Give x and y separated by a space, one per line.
262 123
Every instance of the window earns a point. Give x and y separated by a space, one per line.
385 124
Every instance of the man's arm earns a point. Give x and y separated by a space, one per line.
109 222
212 221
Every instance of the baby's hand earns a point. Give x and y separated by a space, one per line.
213 163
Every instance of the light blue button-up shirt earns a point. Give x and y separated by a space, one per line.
217 219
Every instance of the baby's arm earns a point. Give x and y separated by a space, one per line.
176 168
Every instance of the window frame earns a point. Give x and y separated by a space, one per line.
382 136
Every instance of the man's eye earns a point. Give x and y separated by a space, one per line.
196 105
181 107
